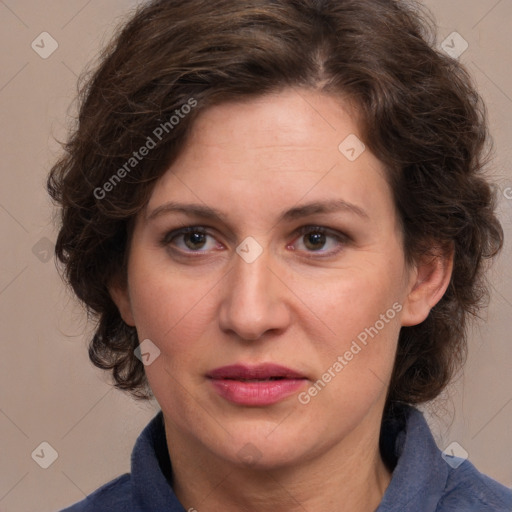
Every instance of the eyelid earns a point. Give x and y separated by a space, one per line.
312 228
169 236
342 238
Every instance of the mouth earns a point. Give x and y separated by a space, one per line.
266 371
259 385
254 380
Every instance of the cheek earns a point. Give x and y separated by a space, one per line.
174 312
360 312
356 365
163 298
353 301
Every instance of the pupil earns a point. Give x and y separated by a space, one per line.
192 240
315 240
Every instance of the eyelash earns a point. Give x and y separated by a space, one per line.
341 238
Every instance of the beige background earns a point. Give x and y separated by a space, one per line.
48 389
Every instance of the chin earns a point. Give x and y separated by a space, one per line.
263 447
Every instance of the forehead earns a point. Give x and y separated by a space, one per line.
275 150
293 120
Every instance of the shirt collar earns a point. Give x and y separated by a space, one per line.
418 480
151 489
420 474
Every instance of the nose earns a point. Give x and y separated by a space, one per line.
254 301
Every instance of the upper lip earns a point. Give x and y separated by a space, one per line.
260 371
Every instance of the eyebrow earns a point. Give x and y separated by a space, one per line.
316 207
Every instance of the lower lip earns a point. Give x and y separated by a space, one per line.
265 392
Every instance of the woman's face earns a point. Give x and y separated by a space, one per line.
292 256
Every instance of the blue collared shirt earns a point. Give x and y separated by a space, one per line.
422 480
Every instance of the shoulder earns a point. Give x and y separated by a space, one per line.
425 478
114 495
469 490
147 486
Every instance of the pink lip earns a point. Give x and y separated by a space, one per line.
231 382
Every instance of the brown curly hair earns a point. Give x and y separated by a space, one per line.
419 112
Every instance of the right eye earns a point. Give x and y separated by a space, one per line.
191 239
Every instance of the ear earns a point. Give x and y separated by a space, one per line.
430 278
121 297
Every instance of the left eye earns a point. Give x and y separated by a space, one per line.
318 239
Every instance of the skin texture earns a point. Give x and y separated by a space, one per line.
300 304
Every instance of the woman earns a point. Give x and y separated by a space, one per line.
276 211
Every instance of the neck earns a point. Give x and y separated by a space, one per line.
349 477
